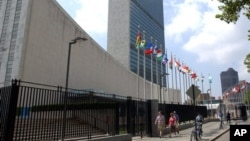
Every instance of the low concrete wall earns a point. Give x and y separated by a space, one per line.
124 137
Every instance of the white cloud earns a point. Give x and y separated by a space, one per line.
92 16
211 39
187 18
207 42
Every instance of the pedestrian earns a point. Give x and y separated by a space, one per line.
177 118
160 122
221 119
171 124
228 117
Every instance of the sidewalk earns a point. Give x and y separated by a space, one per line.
210 131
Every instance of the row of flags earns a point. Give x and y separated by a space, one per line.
150 49
236 89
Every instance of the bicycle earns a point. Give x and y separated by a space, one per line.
196 132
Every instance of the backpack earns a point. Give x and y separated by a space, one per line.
199 118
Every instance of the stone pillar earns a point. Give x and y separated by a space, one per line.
152 111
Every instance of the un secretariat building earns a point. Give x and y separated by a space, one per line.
34 44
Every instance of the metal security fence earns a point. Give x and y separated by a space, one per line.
185 112
35 112
32 112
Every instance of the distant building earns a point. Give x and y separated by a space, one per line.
228 78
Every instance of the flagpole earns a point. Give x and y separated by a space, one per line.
151 70
202 88
184 86
210 81
157 79
161 75
167 82
138 64
175 74
144 68
180 82
172 79
186 79
189 83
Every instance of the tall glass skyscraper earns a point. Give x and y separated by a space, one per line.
125 19
228 79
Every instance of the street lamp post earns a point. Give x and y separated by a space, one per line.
221 112
164 74
66 83
210 81
210 99
202 80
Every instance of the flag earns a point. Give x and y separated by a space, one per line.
138 40
185 69
210 79
149 48
236 89
155 50
143 44
176 63
193 75
171 63
165 59
243 86
159 55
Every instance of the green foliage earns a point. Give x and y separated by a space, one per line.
247 62
231 10
247 97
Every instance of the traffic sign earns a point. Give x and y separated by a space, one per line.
193 92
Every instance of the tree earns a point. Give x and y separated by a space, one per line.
247 98
231 10
247 62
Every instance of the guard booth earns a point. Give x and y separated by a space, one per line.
241 111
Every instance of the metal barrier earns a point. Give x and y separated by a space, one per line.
32 111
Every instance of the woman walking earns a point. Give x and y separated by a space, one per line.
171 124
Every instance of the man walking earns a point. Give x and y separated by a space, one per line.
160 122
228 117
177 118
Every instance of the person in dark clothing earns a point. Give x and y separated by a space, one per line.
177 118
228 117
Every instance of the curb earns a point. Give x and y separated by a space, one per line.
216 137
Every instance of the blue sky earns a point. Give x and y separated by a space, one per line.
192 34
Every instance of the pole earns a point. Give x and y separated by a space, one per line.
195 124
66 93
66 84
160 88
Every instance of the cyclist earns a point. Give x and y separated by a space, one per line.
199 120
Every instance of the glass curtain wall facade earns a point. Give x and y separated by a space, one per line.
146 17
